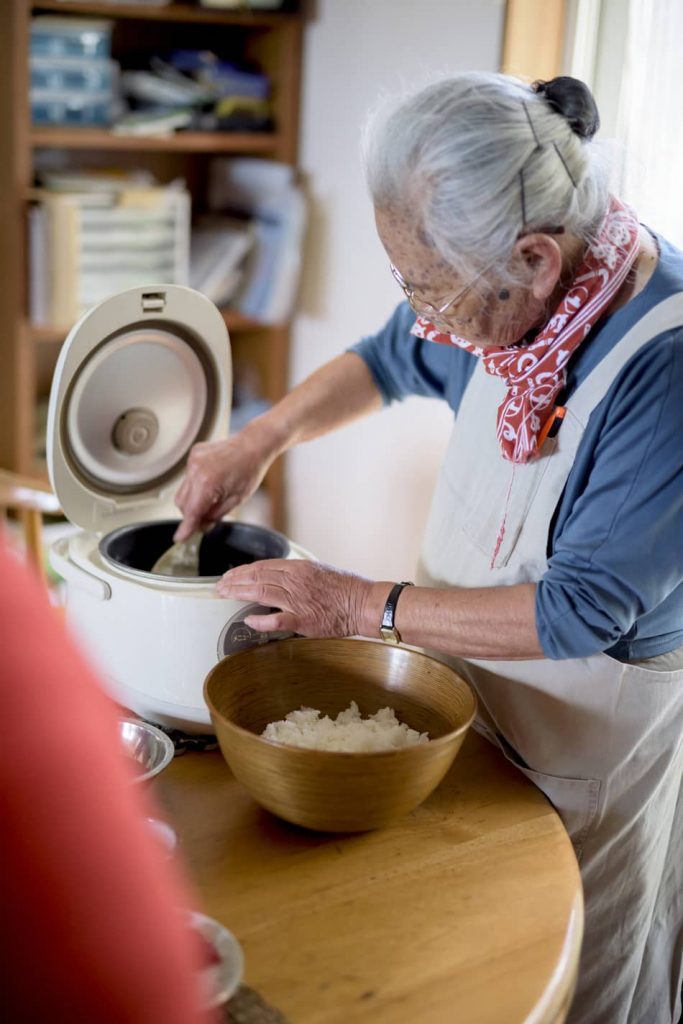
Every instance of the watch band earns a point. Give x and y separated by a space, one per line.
387 629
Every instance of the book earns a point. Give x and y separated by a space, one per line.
218 251
268 194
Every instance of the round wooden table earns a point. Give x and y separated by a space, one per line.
469 910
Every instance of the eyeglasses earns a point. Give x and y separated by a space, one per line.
426 308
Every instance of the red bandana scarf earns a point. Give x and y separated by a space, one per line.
535 373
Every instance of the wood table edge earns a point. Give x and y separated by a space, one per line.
553 1006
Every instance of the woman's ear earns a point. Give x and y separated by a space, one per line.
543 258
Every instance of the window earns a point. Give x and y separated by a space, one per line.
629 52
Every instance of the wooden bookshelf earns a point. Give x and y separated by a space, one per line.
227 143
48 335
41 334
183 13
271 40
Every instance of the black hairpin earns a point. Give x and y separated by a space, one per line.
564 164
521 193
538 142
539 145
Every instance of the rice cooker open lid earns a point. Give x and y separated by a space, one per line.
140 379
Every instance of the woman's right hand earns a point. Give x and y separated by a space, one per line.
220 476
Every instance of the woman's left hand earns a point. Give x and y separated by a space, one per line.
315 600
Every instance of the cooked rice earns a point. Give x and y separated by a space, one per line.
348 732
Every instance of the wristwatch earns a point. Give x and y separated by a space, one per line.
387 629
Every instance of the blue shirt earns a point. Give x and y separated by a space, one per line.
614 580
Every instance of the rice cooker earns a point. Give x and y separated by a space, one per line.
140 379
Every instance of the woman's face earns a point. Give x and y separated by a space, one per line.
486 315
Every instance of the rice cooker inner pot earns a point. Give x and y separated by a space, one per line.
137 546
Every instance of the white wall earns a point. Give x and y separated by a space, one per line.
359 498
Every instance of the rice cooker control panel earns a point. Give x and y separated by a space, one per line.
236 635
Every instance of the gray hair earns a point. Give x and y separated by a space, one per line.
479 157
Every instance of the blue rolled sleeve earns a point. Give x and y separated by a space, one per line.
403 365
615 572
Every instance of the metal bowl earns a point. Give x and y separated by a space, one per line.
164 834
149 747
220 980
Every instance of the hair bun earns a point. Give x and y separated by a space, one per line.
574 100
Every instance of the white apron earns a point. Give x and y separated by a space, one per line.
603 740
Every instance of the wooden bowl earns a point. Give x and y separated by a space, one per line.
327 790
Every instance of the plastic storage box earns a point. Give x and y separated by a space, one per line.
71 107
66 74
55 36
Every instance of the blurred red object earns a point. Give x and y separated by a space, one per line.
93 913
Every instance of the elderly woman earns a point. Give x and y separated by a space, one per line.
551 574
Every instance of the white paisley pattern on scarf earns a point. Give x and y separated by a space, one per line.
535 373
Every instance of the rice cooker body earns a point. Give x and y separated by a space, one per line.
151 641
140 379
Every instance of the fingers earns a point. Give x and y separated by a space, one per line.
201 520
275 622
180 494
199 509
264 575
264 593
185 530
261 582
191 519
265 581
264 568
220 476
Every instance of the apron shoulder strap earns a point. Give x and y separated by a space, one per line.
665 316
